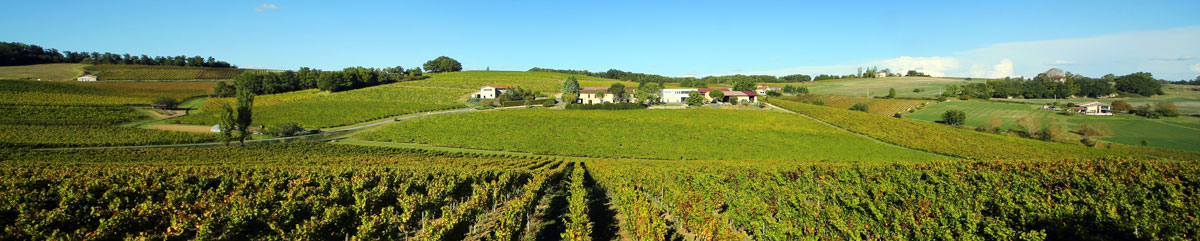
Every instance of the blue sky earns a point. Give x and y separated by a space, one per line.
692 38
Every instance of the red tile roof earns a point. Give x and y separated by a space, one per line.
706 90
499 86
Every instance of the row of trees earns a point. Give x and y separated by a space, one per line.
1067 85
27 54
307 78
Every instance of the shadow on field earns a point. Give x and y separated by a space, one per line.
602 215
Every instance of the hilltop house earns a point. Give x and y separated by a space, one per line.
491 91
1093 108
676 96
86 77
587 95
740 96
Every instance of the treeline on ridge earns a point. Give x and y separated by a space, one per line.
1056 83
27 54
261 83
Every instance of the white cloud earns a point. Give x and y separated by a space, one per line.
251 66
1195 67
1060 62
1180 58
266 7
934 66
772 59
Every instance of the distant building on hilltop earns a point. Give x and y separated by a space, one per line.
86 77
491 92
763 89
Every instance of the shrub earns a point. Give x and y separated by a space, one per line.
818 102
1166 109
166 102
954 117
1122 106
859 107
526 102
285 130
916 90
606 106
774 94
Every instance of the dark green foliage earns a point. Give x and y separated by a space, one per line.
443 64
165 102
27 54
542 102
285 130
954 117
695 99
223 90
261 83
914 73
607 106
744 85
617 91
245 105
571 85
796 78
774 93
859 107
891 93
1140 83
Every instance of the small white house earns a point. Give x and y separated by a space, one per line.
491 91
1093 108
86 77
763 89
675 96
588 95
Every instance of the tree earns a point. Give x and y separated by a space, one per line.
1140 83
859 107
912 73
222 90
166 102
1166 109
716 95
571 85
891 93
617 91
695 99
245 103
774 93
1028 126
228 122
994 124
443 64
744 85
1093 130
1122 106
649 93
284 130
570 98
600 95
954 117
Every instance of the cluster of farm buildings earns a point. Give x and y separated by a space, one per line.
592 95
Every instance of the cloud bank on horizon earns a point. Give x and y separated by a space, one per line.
1168 54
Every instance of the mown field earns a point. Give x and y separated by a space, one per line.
879 86
661 134
875 106
943 139
45 72
1169 132
326 191
163 72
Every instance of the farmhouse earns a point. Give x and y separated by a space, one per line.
740 96
763 89
86 77
491 91
1093 108
675 96
881 74
588 95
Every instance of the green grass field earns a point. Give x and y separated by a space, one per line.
879 86
1174 132
1187 98
663 134
45 72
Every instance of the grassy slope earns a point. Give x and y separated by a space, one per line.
1175 133
51 72
875 106
96 93
665 134
316 109
947 140
879 86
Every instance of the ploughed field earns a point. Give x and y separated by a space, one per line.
657 134
325 191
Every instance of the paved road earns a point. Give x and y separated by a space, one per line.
333 133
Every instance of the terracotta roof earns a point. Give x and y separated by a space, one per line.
1092 103
499 86
741 93
706 90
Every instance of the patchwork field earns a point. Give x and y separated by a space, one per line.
943 139
663 134
45 72
879 86
1171 132
875 106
